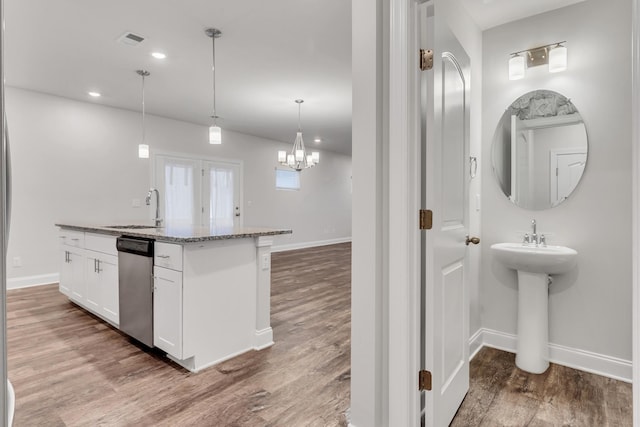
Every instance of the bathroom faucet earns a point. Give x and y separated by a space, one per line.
158 221
534 238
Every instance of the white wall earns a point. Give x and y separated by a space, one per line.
77 161
590 308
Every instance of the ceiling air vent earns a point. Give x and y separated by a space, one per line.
131 39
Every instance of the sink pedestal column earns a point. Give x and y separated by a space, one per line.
532 351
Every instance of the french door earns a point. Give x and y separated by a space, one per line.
199 192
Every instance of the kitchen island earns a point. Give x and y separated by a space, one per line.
211 286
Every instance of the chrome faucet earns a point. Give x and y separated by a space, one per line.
158 221
534 238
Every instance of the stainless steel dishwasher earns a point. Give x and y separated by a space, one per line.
135 274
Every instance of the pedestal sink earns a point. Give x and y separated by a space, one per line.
534 264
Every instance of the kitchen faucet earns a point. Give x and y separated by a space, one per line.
534 238
158 221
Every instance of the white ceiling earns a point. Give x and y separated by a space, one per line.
271 53
491 13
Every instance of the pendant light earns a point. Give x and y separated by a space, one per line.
215 133
298 158
143 147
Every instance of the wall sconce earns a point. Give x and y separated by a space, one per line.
555 55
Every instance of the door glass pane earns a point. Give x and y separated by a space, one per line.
179 193
221 200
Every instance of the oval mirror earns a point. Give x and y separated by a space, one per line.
539 150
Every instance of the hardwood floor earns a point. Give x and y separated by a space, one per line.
71 369
500 394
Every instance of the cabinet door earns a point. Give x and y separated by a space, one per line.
108 272
66 276
167 311
77 267
92 300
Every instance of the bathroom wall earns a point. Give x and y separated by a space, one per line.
590 308
77 161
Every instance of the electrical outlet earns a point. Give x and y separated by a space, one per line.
17 261
135 203
266 261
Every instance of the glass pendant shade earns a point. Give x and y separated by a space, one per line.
282 156
215 135
557 59
143 151
516 67
299 154
290 160
316 157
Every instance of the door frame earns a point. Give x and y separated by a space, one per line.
635 215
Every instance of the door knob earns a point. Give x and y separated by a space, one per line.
473 240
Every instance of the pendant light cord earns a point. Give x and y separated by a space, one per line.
213 43
299 126
143 112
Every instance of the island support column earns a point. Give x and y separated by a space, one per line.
264 333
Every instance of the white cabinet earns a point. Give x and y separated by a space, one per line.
72 281
89 272
167 311
102 285
102 276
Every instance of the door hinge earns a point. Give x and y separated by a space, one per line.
426 59
426 219
424 380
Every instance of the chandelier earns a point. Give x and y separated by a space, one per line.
298 158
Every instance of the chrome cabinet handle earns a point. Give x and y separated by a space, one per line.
473 167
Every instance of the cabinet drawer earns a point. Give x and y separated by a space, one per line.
101 243
72 238
168 255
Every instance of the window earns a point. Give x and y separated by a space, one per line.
287 179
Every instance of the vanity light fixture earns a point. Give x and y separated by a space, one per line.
215 133
298 158
554 55
143 147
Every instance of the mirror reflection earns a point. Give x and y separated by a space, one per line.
539 150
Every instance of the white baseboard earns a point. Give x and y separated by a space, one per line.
304 245
599 364
475 343
29 281
263 339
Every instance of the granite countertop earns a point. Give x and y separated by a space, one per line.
174 233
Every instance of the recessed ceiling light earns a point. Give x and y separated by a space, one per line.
158 55
95 94
317 140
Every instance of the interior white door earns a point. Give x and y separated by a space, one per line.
221 194
445 124
566 170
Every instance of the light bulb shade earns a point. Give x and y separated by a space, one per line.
316 157
290 160
516 67
310 160
299 155
143 151
215 135
557 59
282 156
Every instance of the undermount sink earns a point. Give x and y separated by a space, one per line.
535 259
131 226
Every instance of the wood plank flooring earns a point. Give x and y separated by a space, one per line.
500 395
71 369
